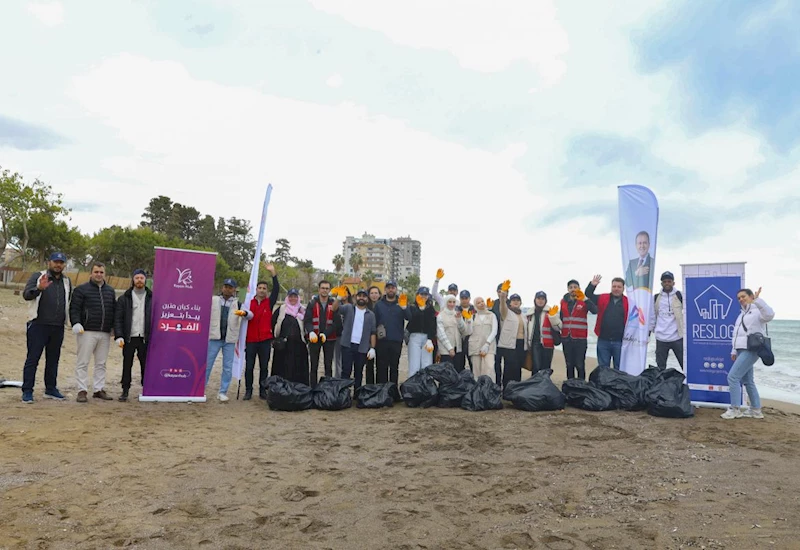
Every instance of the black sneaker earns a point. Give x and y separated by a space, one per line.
54 394
27 397
262 394
124 396
248 395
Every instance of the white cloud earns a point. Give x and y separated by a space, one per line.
334 81
483 36
51 14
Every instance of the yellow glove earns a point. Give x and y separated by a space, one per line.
312 337
428 346
402 300
553 310
579 295
322 338
489 303
466 314
421 301
336 292
439 273
240 313
506 285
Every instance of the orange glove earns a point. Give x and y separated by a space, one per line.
335 292
489 303
439 273
466 314
312 337
579 295
240 313
339 291
421 301
506 285
553 310
402 300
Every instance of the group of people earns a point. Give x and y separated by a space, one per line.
362 335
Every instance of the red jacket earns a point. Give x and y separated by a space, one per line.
259 328
602 304
575 324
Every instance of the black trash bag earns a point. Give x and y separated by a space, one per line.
420 390
670 397
582 395
626 389
376 396
484 395
283 395
443 373
450 395
332 394
537 393
651 374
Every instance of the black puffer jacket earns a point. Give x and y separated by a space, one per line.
123 317
93 307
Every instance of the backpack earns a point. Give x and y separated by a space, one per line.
677 293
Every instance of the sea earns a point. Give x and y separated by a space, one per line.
781 381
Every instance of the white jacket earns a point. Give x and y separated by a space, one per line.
484 331
755 317
451 330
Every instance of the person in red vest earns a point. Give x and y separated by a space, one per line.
320 327
545 330
259 335
612 316
575 329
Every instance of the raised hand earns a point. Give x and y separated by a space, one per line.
553 311
466 314
596 279
402 300
489 303
439 273
757 294
421 301
506 285
579 295
44 282
271 269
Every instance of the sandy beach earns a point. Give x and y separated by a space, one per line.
236 475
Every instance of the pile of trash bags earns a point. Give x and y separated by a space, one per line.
441 385
537 393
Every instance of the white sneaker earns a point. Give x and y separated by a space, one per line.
753 413
731 413
222 397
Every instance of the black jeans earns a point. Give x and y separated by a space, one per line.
542 358
662 351
138 346
575 358
47 339
370 369
353 362
460 361
513 360
498 367
251 351
388 361
313 351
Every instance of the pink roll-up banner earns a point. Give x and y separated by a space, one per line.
183 284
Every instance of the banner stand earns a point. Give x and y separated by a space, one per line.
710 311
172 399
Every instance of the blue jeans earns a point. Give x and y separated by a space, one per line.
227 362
608 350
418 358
353 362
742 373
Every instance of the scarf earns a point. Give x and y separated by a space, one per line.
297 311
515 310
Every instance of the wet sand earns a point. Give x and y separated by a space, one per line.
236 475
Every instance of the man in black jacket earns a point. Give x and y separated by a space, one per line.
132 327
319 323
391 314
91 313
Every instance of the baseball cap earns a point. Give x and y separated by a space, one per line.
390 283
362 291
515 297
293 291
58 257
499 287
230 282
464 294
541 294
667 275
423 290
452 286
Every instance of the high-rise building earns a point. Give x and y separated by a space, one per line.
385 258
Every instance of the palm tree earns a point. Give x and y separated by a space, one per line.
369 277
338 262
356 261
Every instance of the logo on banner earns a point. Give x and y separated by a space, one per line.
713 304
184 278
172 325
636 314
176 373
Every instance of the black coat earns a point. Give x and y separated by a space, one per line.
93 307
123 317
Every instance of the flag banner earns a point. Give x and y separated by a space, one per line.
183 284
711 312
638 227
239 351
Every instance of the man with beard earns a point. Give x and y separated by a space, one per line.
391 314
132 327
258 343
612 316
358 337
48 295
319 324
667 321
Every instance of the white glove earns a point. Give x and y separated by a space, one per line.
428 346
77 328
120 342
322 338
313 338
485 349
371 353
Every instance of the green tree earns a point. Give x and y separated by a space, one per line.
369 277
410 284
338 263
356 261
46 235
239 246
206 234
283 252
183 223
158 213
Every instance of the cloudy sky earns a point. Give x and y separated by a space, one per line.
496 136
